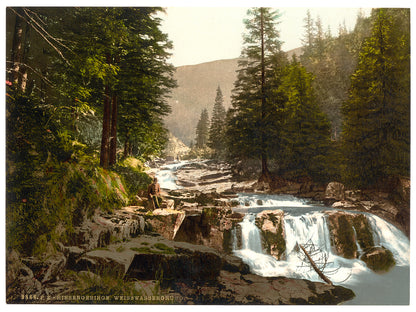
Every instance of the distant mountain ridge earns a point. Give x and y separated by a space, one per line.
197 85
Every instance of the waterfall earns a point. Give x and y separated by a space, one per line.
307 225
251 236
251 252
388 236
166 175
310 227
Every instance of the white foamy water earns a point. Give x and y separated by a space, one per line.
387 235
166 176
275 201
310 228
304 223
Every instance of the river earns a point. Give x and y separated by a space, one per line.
305 223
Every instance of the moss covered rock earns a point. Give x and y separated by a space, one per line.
348 231
378 259
270 222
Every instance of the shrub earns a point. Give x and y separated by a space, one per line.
135 179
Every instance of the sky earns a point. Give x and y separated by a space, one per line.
203 34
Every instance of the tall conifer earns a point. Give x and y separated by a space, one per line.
254 122
217 128
376 134
306 131
202 129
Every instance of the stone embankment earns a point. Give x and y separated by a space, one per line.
186 247
125 245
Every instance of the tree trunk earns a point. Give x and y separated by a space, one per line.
17 48
265 173
126 148
113 138
104 159
319 272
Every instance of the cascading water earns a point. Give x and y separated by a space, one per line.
166 175
387 235
251 249
305 224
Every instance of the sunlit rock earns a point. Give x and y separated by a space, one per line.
270 222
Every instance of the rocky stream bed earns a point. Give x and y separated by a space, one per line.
183 253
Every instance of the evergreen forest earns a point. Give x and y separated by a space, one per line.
86 96
340 111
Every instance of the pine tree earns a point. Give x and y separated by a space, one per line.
202 130
376 134
309 36
125 66
306 134
252 129
217 128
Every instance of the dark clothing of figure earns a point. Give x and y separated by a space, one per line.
153 194
153 189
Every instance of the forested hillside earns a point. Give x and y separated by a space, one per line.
196 89
86 89
330 56
339 110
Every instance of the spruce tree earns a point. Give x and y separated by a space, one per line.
252 129
309 36
306 134
376 134
217 129
202 129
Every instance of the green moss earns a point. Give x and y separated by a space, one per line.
273 218
141 249
160 249
343 236
378 259
120 248
210 216
132 175
164 248
274 242
105 284
363 231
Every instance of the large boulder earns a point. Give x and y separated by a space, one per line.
379 259
237 288
335 191
103 228
150 257
165 222
270 222
209 226
348 231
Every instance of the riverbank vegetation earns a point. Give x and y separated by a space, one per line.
339 111
86 90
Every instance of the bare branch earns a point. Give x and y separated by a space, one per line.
43 29
36 72
43 36
321 275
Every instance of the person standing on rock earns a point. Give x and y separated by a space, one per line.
153 194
